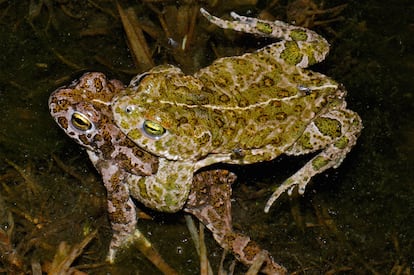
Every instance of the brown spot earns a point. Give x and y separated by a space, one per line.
84 139
201 99
281 116
276 140
137 151
268 82
98 137
243 102
182 120
276 103
282 93
224 98
189 101
219 121
54 100
204 139
241 61
314 95
125 142
229 240
63 122
263 118
107 148
216 142
111 87
98 84
222 82
62 104
253 86
121 157
124 162
208 84
241 121
298 108
251 250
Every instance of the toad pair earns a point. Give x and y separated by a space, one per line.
148 139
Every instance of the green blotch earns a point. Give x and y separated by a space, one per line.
170 200
204 139
298 35
258 140
167 144
134 134
240 66
291 54
304 141
264 27
159 192
224 79
170 185
311 58
124 124
169 188
356 122
143 188
328 127
342 143
118 110
319 162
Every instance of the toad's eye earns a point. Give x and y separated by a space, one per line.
153 129
81 122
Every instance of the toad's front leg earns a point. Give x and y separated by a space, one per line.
122 214
121 208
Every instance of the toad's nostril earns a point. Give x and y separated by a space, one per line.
129 109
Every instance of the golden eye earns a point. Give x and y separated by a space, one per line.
81 122
153 129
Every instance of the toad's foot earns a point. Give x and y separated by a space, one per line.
139 241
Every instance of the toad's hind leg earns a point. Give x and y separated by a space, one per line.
210 202
335 133
300 47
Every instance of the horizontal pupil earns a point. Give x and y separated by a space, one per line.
80 121
154 128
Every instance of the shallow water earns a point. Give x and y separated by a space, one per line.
357 219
